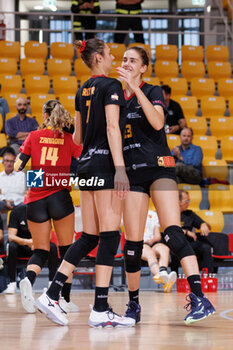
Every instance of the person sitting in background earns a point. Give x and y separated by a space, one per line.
175 120
188 159
4 109
3 273
21 245
203 243
2 250
156 253
12 184
18 127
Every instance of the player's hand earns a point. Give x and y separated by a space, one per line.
127 77
121 183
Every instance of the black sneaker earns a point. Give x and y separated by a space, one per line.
199 308
133 311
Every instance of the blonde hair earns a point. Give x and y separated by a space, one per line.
58 118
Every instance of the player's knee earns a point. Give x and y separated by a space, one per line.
80 248
162 249
177 242
109 242
39 257
132 254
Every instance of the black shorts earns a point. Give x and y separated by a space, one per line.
143 180
56 206
88 182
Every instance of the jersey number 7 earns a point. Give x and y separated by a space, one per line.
88 104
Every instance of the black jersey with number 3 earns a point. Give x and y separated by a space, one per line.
143 144
91 99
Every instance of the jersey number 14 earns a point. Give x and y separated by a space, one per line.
49 153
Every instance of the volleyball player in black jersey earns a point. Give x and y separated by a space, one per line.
150 168
99 114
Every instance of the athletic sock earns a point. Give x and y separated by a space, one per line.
65 292
162 268
101 299
31 275
134 296
195 285
56 286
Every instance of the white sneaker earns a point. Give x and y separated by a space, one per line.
11 288
172 279
51 309
68 307
161 277
108 319
27 298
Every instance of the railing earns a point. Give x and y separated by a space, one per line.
16 31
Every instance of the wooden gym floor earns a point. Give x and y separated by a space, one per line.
161 327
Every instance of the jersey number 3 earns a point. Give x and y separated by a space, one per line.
49 153
128 131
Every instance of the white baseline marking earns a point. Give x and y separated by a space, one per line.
224 314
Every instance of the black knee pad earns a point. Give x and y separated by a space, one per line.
39 257
109 242
177 242
79 249
132 254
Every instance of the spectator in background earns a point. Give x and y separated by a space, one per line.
188 159
128 7
18 127
4 109
1 238
84 22
175 120
3 274
21 245
203 243
12 184
156 253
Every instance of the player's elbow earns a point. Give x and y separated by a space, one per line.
112 129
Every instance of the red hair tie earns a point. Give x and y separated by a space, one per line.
83 46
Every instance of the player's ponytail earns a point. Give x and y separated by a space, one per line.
89 48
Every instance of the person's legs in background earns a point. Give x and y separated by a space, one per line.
122 24
136 25
14 251
163 253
